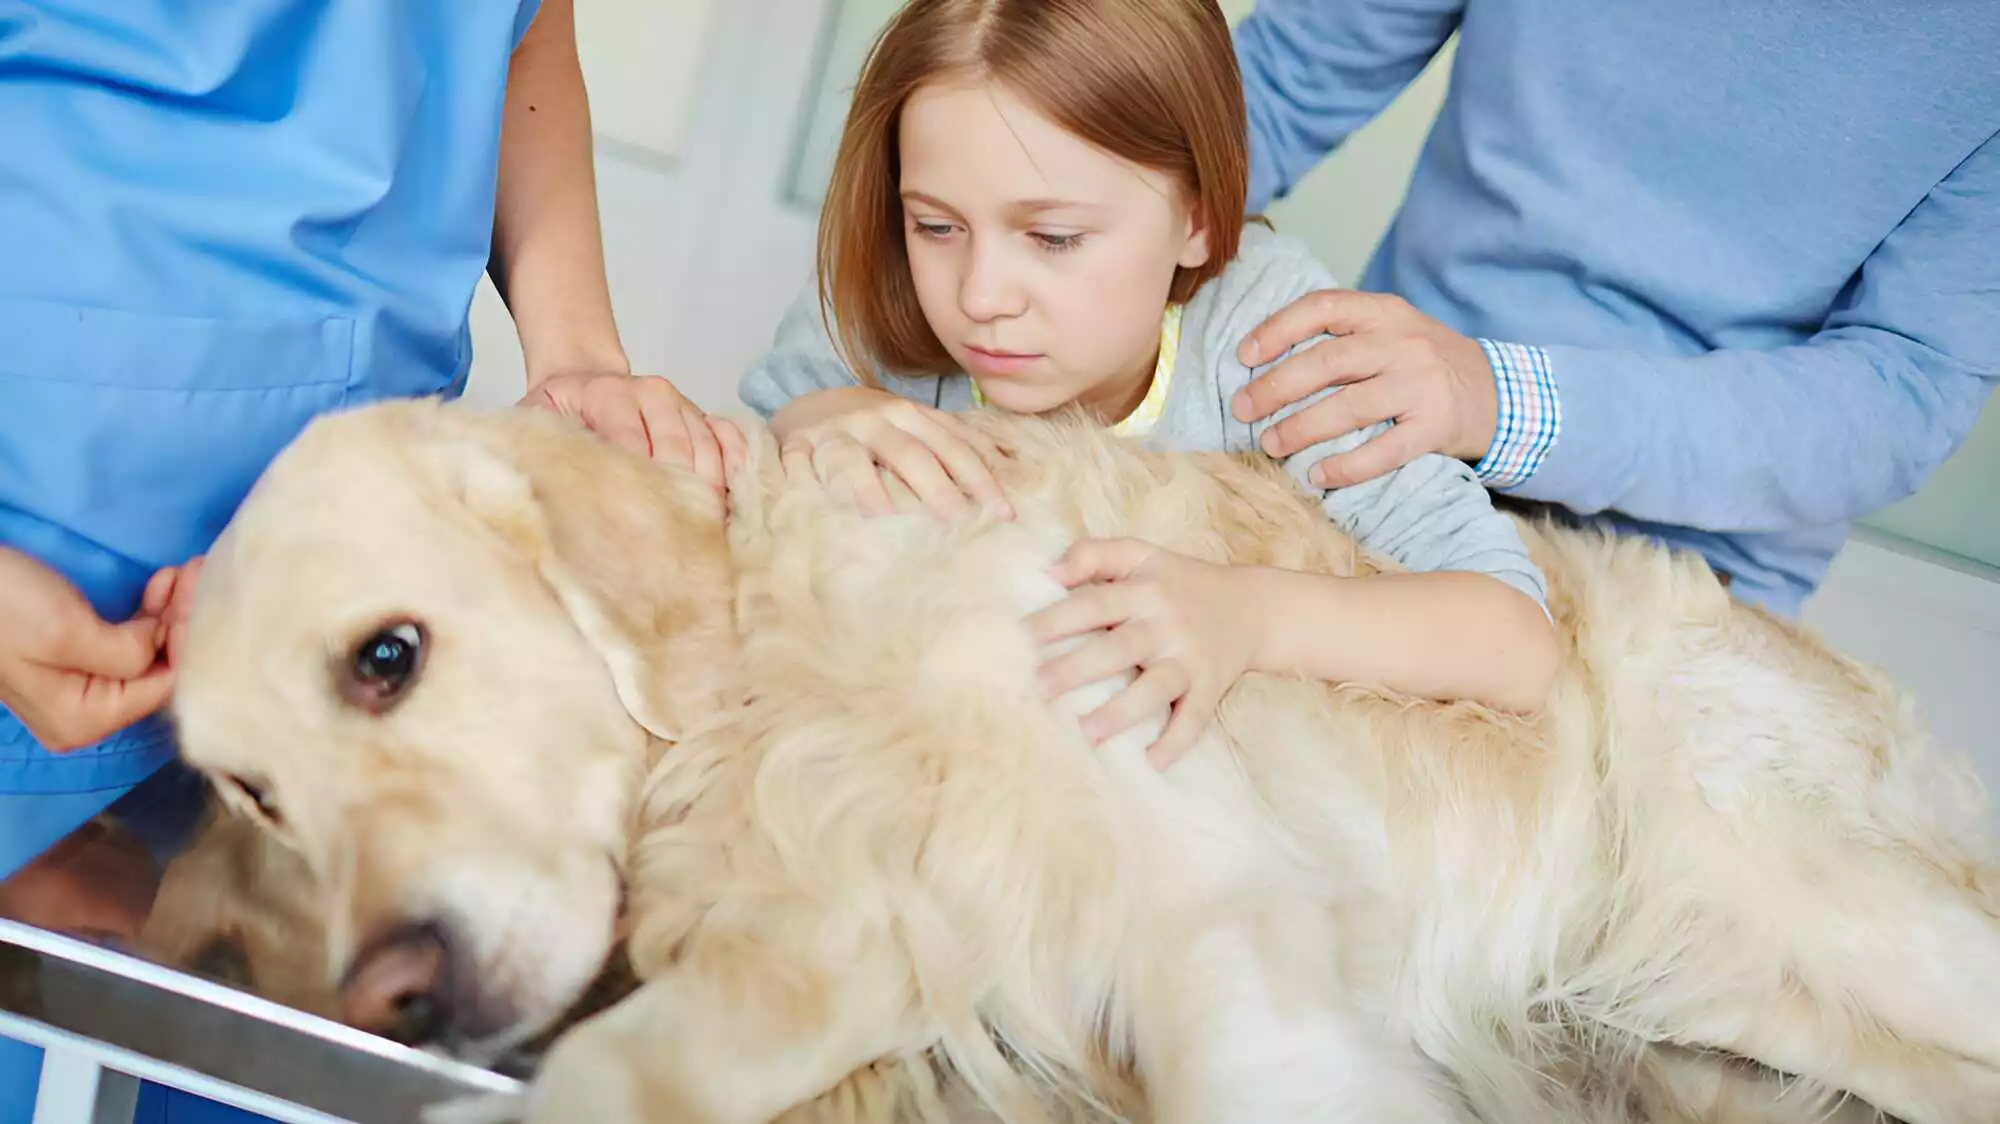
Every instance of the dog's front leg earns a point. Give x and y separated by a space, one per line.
736 1033
1245 1021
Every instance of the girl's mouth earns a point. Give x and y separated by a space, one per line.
993 361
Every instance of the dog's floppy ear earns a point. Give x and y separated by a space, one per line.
635 552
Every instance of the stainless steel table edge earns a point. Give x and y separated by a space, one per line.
117 1059
453 1079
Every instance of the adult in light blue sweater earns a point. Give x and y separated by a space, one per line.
1735 268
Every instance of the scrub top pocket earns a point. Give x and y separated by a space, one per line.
127 440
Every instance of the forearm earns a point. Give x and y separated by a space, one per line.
1747 441
1812 434
1444 635
548 248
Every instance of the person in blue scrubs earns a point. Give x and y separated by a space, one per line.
218 221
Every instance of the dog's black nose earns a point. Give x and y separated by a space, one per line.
400 986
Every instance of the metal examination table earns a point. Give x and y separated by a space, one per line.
108 1020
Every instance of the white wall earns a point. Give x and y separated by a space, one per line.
644 62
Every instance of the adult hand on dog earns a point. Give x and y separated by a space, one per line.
71 677
1183 625
1395 362
850 435
646 414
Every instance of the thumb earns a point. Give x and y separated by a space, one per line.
109 651
105 706
1097 560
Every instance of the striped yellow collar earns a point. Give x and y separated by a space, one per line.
1146 416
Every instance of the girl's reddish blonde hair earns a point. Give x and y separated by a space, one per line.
1151 81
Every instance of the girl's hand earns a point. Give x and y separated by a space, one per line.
850 435
1186 626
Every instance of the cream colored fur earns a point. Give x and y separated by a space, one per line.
866 856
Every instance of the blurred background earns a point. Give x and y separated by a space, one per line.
716 121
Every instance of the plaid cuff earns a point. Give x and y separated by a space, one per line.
1530 413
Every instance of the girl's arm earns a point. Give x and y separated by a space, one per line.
1467 621
1441 635
1187 629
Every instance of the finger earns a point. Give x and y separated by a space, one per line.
104 706
1384 453
1192 715
176 642
968 456
1336 312
989 449
185 589
1089 609
918 466
851 469
1337 415
707 450
1126 647
1332 362
159 592
1150 697
1101 560
663 411
615 417
735 447
799 464
112 651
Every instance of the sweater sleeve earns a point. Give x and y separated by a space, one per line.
1432 514
802 359
1817 433
1314 71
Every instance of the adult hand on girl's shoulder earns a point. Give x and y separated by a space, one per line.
1395 362
849 436
1185 626
645 414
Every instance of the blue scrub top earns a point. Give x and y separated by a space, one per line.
218 220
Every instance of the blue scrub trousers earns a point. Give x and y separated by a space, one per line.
161 810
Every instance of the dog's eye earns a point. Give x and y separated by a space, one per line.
255 793
382 667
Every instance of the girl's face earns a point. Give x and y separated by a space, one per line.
1042 263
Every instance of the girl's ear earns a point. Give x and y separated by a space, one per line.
1194 252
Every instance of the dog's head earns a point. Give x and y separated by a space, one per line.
433 654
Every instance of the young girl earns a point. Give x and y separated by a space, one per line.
1038 205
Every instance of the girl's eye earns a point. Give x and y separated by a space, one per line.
935 231
1057 243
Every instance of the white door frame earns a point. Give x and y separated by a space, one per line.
739 248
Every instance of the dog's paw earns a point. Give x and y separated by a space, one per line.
589 1077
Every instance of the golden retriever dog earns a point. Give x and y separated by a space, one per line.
510 693
237 906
